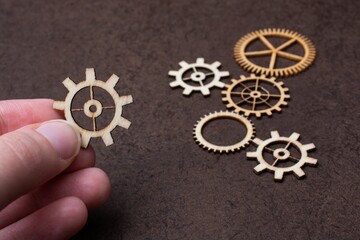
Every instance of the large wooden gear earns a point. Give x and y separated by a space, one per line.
253 96
282 154
93 108
243 55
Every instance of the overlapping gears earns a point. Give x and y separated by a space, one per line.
254 95
93 108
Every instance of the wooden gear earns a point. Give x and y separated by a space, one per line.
226 114
253 93
242 55
282 154
198 76
90 83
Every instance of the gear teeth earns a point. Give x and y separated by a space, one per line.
107 138
257 141
259 168
223 114
200 61
112 81
59 105
69 84
187 91
275 134
216 64
198 76
90 75
280 171
243 105
184 64
294 136
108 86
244 62
173 73
174 84
309 146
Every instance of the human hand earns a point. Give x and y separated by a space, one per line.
47 183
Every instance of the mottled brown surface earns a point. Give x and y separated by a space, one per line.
164 185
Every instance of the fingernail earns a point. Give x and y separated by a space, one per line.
62 136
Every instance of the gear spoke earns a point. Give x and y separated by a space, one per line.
241 101
94 123
93 108
258 53
272 61
290 56
286 44
194 68
109 107
281 154
77 109
266 42
246 59
253 88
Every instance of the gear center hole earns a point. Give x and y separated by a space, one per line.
92 108
224 131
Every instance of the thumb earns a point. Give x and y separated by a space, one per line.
32 155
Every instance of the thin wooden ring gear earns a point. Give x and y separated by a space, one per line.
199 138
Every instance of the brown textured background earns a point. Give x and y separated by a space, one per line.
164 185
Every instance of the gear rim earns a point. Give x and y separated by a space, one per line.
198 76
199 138
109 87
306 60
279 172
231 104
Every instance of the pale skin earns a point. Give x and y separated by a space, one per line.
47 182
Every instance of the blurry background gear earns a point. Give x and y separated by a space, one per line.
246 57
255 95
93 107
283 151
198 136
198 76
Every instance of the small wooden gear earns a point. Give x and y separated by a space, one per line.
200 71
250 134
253 96
93 108
282 154
243 56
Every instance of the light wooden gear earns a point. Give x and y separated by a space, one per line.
301 62
90 83
199 138
254 94
282 154
197 76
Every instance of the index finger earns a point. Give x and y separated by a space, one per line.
15 114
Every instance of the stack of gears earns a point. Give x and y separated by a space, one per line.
255 95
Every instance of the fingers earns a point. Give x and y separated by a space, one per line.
85 159
34 154
90 185
58 220
18 113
